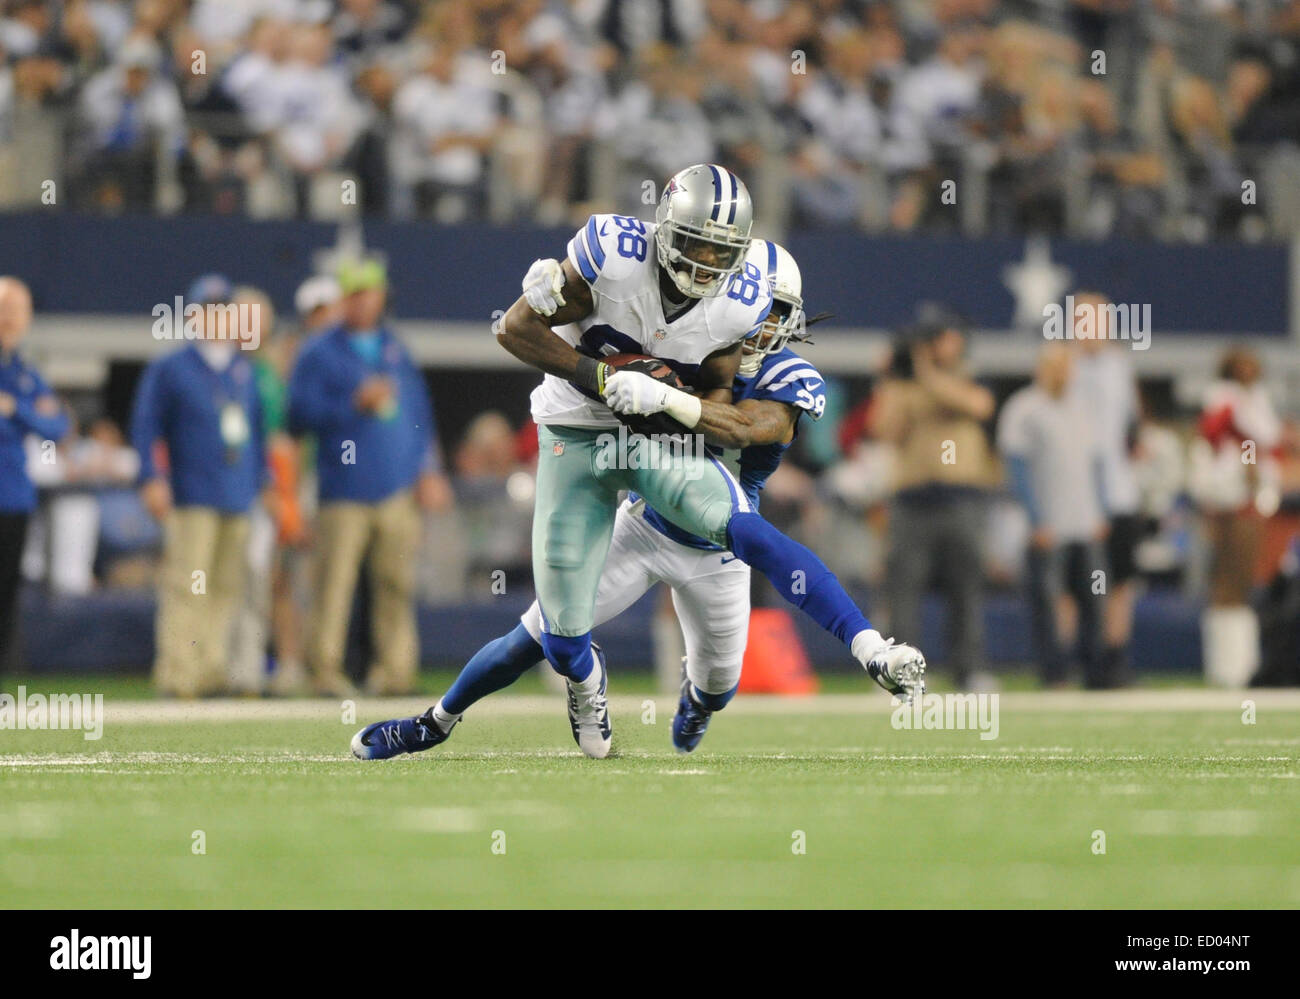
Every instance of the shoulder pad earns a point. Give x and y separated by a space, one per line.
748 299
610 249
787 377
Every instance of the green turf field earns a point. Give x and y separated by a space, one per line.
1197 808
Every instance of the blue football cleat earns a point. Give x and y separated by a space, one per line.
691 721
386 739
589 716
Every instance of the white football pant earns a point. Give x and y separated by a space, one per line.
710 594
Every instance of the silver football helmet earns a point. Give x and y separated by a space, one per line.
702 229
786 319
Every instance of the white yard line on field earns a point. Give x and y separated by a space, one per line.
369 709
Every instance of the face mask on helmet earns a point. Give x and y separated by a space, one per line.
785 321
701 265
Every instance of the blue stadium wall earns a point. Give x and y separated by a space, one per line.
126 265
114 631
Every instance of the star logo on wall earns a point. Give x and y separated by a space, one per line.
1035 282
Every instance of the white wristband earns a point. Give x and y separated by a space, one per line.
683 407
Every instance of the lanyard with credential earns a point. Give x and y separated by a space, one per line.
384 363
232 421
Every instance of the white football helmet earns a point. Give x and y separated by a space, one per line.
786 319
702 229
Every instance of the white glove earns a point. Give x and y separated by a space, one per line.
633 393
542 286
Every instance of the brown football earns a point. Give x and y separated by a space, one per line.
658 423
652 366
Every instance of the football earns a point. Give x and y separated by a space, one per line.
656 368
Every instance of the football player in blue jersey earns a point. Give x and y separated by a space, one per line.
710 585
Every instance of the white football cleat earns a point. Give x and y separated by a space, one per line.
589 714
900 669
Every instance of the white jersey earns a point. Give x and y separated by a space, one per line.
615 254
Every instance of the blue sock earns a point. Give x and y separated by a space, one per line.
569 655
798 575
712 702
495 666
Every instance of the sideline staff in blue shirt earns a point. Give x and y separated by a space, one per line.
202 403
27 408
357 391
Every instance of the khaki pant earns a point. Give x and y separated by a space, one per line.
203 575
252 627
386 534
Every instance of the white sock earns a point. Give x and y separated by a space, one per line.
1230 639
444 719
866 644
590 685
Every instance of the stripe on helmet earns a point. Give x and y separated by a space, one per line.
717 198
771 262
735 196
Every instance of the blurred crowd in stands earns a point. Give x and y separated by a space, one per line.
1171 119
255 491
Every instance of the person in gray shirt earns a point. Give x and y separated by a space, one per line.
1104 380
1054 465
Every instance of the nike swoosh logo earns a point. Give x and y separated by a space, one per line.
603 227
733 558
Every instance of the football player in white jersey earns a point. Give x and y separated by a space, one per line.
710 585
675 290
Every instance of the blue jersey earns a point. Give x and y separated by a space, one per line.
784 377
211 422
32 414
388 451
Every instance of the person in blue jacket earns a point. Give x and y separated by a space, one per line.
197 424
356 390
27 408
